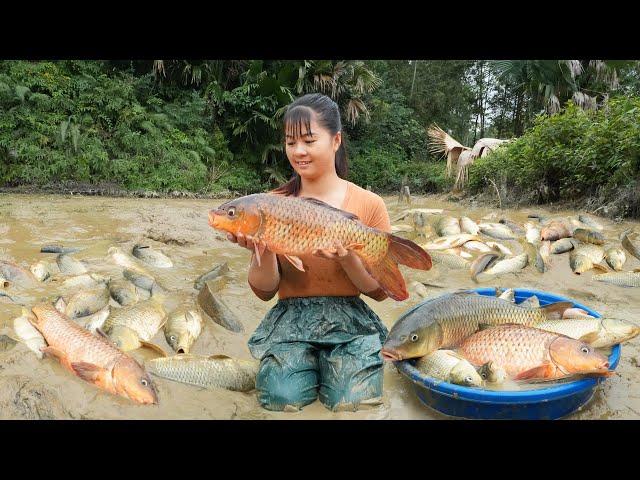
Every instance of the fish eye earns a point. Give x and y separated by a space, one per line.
468 379
584 349
144 382
172 338
483 375
414 337
231 212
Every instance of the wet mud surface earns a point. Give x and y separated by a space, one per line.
31 388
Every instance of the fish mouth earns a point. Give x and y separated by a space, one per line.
180 350
390 355
213 217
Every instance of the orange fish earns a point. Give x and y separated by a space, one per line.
293 226
555 231
529 353
92 358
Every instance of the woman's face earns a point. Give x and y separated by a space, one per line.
312 154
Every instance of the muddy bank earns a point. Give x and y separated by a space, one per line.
33 388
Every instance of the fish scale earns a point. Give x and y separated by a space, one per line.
207 372
321 228
78 344
295 227
460 317
515 347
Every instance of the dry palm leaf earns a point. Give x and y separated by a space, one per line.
442 142
484 146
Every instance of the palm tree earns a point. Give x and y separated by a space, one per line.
553 82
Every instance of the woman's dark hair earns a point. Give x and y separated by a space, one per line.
297 119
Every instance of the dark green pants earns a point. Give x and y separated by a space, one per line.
319 346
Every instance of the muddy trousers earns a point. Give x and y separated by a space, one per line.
319 347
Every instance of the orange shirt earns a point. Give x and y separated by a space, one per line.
323 277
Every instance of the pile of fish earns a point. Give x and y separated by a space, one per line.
488 250
100 318
487 341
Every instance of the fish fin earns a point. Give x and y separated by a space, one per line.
355 246
219 356
295 261
320 203
389 277
589 337
636 270
484 326
54 352
257 252
545 370
601 268
406 252
556 308
86 371
154 347
101 333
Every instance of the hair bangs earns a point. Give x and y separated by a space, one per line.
297 121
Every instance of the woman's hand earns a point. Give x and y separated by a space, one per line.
248 242
338 253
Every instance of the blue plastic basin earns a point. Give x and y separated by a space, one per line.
547 403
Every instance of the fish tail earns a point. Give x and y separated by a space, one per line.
388 275
555 310
386 271
406 252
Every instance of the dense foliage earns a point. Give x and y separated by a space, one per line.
215 126
568 155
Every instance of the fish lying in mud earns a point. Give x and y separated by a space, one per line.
217 271
17 275
497 230
515 228
129 327
449 241
621 279
555 230
585 257
123 292
448 260
43 270
528 353
450 367
630 246
588 236
597 332
509 265
590 221
87 302
445 226
469 226
86 280
532 233
216 371
182 329
59 249
151 257
292 226
69 265
93 358
563 245
445 321
615 257
28 334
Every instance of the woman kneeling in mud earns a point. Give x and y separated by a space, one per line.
320 339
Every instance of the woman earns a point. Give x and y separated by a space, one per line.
320 339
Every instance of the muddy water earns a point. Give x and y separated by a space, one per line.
179 228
